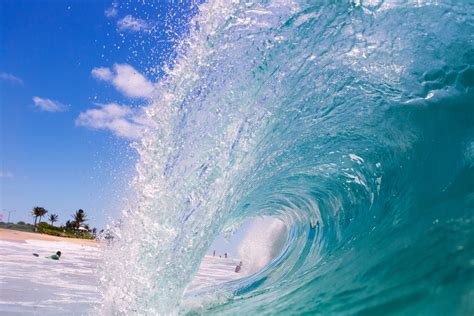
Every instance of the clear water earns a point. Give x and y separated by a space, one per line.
352 123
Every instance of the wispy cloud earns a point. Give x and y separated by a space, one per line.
49 105
121 120
112 11
125 79
102 73
6 174
129 23
10 78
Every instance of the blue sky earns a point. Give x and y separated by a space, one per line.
73 78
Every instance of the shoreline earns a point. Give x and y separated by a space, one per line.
21 236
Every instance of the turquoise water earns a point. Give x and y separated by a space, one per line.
353 123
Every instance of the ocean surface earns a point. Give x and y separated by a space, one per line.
351 123
35 285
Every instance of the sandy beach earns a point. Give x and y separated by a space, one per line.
19 236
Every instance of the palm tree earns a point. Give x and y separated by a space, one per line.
38 211
79 218
53 218
43 213
70 225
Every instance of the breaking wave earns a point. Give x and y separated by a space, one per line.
351 124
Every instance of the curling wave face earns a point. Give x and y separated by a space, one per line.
353 124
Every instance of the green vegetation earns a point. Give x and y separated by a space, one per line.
48 229
21 226
72 229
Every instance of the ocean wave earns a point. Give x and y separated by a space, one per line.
352 124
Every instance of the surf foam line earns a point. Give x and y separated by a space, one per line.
353 129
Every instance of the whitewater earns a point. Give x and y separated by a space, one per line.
36 285
350 124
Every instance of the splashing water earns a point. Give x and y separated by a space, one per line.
264 241
351 123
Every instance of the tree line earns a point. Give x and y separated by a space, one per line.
78 218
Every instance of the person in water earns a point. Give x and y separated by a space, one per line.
238 267
55 256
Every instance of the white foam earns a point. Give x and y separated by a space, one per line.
262 243
214 271
30 284
356 158
33 284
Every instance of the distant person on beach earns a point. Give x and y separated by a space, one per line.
238 267
214 253
55 256
225 255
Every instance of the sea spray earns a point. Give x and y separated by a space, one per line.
182 176
262 243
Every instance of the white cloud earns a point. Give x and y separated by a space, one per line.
112 11
121 120
102 73
49 105
131 82
11 78
6 174
125 79
129 23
